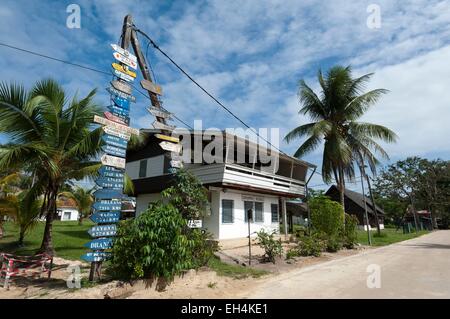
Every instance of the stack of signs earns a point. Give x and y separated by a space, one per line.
116 134
172 145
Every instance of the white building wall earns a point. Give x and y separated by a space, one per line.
65 217
211 223
239 228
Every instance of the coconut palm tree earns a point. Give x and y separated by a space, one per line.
24 213
334 114
83 199
53 137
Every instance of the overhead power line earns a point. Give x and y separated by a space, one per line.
89 68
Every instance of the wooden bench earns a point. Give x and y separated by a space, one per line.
24 266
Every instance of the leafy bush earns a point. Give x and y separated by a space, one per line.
300 231
311 245
334 244
203 248
292 252
350 234
271 246
326 215
153 244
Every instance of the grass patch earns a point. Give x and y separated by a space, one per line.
68 239
234 271
388 236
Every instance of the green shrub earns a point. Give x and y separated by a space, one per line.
153 244
203 248
326 215
271 246
350 234
311 245
292 252
300 231
334 244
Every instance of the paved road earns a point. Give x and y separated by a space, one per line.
417 268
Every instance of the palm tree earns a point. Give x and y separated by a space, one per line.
334 114
52 137
25 213
83 199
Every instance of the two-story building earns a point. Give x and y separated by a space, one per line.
234 186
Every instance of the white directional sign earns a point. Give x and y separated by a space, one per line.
167 146
159 113
176 164
152 87
195 223
112 131
123 76
113 161
116 126
162 126
124 52
121 58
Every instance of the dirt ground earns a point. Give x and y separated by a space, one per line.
203 283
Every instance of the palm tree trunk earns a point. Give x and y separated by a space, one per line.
47 240
342 191
21 236
80 219
377 220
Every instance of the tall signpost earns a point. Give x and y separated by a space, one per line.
116 133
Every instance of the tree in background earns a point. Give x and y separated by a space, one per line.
52 138
83 199
334 113
24 213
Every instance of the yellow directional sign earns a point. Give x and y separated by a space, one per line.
167 138
123 69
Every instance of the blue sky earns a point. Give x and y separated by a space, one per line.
251 54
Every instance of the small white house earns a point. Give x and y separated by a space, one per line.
233 187
67 210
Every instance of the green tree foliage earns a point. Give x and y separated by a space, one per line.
152 244
50 136
272 247
188 195
350 234
83 199
326 216
334 114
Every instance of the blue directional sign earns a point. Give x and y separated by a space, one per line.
103 230
100 243
115 140
96 256
118 111
105 217
109 205
121 102
108 194
115 151
109 171
104 182
121 94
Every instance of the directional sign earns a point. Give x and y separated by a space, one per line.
111 131
123 69
104 182
117 110
114 118
101 243
121 58
115 140
122 87
115 151
159 113
167 146
195 223
113 161
96 256
162 126
108 194
167 138
122 102
124 52
107 204
103 230
152 87
113 91
105 217
117 126
176 164
123 76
